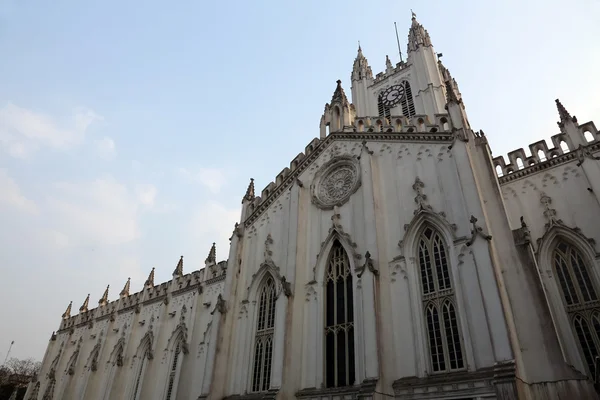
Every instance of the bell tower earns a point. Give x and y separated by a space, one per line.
408 88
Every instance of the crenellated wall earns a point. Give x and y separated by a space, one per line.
540 153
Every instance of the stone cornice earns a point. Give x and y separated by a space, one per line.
438 137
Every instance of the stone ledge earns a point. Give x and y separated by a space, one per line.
447 385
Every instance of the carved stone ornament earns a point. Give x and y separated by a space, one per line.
476 231
583 153
335 182
367 265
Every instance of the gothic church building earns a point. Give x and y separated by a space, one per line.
393 258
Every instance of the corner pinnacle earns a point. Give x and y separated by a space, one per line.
249 196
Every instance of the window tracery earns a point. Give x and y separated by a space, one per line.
580 299
339 320
445 344
265 329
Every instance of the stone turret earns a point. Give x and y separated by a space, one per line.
339 113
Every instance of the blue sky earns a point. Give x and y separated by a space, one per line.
129 130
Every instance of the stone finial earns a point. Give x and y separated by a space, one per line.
125 291
388 63
339 95
564 114
84 306
249 196
417 35
67 313
150 281
179 268
212 255
104 299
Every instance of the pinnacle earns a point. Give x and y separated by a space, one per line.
125 291
339 94
150 281
179 268
212 255
84 306
564 114
67 313
249 196
104 298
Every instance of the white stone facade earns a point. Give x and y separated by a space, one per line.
388 261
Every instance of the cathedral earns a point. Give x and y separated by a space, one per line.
393 258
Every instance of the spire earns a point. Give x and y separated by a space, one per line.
150 281
564 114
125 291
104 300
417 35
249 196
361 69
84 306
212 255
339 95
179 268
67 313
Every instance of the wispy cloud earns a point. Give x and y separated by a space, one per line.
106 148
11 196
211 178
146 194
24 131
215 221
103 211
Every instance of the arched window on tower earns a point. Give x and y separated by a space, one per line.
174 370
580 299
441 317
408 104
265 330
339 320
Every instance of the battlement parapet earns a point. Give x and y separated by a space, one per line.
195 280
384 75
539 153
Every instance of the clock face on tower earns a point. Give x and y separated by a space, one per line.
392 95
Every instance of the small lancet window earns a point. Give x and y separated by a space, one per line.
173 370
265 329
140 372
564 147
445 344
580 298
587 135
339 320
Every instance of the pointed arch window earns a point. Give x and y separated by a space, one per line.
580 299
137 388
174 370
339 320
265 329
445 344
